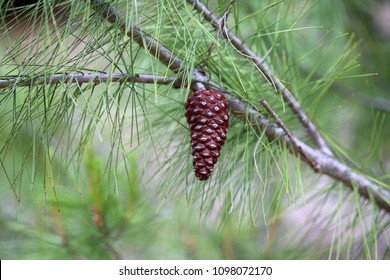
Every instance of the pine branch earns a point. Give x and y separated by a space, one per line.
175 64
96 78
320 162
323 162
318 140
46 120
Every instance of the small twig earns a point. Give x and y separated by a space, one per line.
276 118
280 123
318 140
221 28
96 78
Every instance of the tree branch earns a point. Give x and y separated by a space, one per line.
145 41
96 78
318 140
324 163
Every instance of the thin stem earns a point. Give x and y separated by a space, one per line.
318 140
287 132
220 29
96 78
276 118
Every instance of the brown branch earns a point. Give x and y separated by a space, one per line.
318 140
96 78
145 41
324 163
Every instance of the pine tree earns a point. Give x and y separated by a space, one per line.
97 129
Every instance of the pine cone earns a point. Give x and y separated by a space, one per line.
208 117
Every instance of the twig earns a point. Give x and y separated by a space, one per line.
287 132
325 164
276 118
318 140
96 78
220 29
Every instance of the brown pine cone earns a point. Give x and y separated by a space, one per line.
208 117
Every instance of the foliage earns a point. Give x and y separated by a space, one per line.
103 171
